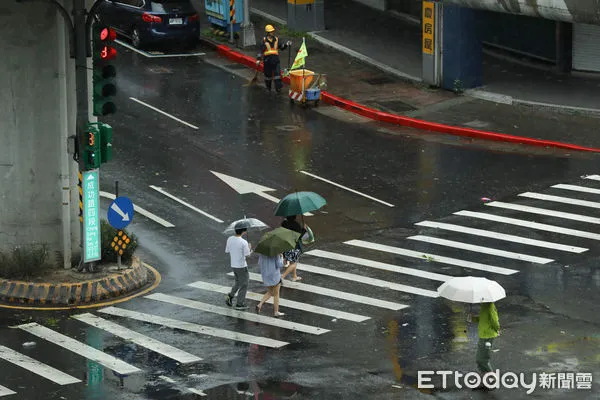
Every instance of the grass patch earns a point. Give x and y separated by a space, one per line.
108 253
24 262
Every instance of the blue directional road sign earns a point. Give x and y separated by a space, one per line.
120 212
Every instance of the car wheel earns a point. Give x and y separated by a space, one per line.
136 40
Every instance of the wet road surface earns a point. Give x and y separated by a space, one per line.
365 318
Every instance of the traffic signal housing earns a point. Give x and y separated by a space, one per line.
91 147
104 71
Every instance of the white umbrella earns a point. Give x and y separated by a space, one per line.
470 289
251 224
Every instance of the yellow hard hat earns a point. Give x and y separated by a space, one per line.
269 28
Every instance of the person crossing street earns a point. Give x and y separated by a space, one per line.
269 54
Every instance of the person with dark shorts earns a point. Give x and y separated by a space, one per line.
292 256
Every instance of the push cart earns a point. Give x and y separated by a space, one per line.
305 87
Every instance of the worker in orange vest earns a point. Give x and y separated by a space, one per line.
269 54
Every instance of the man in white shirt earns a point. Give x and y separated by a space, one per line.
238 249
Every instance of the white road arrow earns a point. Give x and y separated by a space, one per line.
123 215
244 187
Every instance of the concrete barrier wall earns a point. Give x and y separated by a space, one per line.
583 11
33 107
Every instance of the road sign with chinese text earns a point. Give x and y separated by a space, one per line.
428 27
91 216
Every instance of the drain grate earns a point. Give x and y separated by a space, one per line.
235 66
378 80
393 106
161 70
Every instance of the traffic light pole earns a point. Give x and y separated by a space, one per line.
81 85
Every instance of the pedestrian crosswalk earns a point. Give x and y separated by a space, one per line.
354 281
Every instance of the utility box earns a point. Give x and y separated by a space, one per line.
306 15
220 12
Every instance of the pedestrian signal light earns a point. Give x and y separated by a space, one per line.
104 72
91 148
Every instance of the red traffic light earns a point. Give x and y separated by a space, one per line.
108 53
108 34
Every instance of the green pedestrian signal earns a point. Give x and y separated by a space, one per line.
104 72
106 135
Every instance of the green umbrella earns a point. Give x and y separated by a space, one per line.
277 241
299 203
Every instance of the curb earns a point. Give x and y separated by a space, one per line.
402 120
73 294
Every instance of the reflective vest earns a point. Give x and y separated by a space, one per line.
271 51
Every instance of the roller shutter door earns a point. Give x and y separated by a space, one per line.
586 47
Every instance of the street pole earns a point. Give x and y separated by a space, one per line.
248 37
116 196
81 88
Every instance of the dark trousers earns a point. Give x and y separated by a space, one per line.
272 70
241 284
483 355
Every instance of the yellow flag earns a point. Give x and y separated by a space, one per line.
300 57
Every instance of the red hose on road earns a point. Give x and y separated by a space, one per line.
407 121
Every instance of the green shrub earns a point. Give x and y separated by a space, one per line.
24 262
109 255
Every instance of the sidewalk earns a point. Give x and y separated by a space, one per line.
363 84
395 42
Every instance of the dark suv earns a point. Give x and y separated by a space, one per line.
148 22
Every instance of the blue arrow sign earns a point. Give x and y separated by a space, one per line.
120 212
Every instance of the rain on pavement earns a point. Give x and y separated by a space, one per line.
369 279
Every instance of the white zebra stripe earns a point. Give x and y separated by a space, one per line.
335 293
38 368
110 362
284 302
481 249
559 199
432 257
501 236
263 319
191 327
529 224
593 177
576 188
142 340
545 211
4 391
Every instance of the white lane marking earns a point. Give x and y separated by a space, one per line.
228 312
559 199
164 113
481 249
284 302
190 327
334 293
142 211
110 362
161 190
379 265
174 382
166 350
593 177
347 188
501 236
529 224
38 368
545 211
431 257
150 55
245 187
368 281
576 188
4 391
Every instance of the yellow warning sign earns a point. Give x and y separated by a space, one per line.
120 242
428 27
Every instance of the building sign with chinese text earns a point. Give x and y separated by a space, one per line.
91 216
428 27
